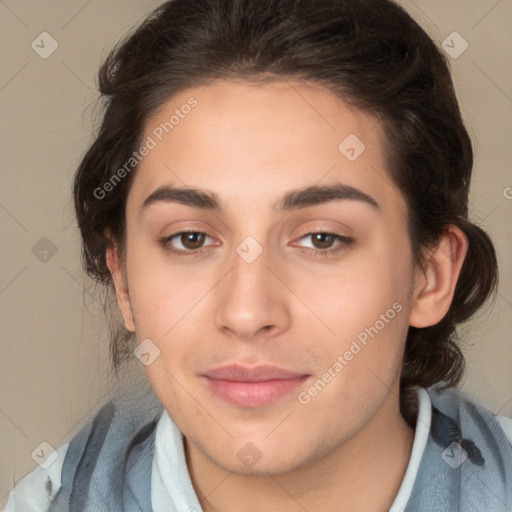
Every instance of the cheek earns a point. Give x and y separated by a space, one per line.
361 320
163 295
351 294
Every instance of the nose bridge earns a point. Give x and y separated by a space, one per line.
249 284
252 253
250 265
250 298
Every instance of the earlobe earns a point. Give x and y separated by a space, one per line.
434 286
123 298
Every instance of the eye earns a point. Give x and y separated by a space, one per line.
185 242
322 242
190 243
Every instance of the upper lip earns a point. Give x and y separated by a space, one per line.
238 373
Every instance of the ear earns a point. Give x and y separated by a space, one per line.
434 286
123 298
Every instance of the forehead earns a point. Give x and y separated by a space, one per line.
255 140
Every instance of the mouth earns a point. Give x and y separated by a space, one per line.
252 386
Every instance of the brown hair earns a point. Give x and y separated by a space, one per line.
370 53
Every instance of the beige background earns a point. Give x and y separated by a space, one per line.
53 349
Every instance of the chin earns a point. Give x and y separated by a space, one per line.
261 457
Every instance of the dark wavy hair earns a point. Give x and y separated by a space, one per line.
372 55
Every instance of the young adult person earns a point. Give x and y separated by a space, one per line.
278 197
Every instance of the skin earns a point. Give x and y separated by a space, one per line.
348 448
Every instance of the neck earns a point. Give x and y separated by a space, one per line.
362 474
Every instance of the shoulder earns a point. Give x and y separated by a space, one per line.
111 442
456 408
35 491
111 457
467 461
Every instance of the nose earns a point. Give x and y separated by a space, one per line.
251 302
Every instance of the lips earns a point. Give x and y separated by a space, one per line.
252 386
236 373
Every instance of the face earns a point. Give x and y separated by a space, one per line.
276 295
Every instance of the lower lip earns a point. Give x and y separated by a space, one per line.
253 394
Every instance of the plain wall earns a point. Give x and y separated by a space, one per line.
53 360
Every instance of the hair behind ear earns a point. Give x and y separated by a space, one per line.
432 354
479 274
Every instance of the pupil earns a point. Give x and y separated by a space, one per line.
193 240
324 239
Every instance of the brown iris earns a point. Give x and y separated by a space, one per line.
192 240
325 240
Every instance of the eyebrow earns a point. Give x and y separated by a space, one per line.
303 198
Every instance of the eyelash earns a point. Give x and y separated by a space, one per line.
344 242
